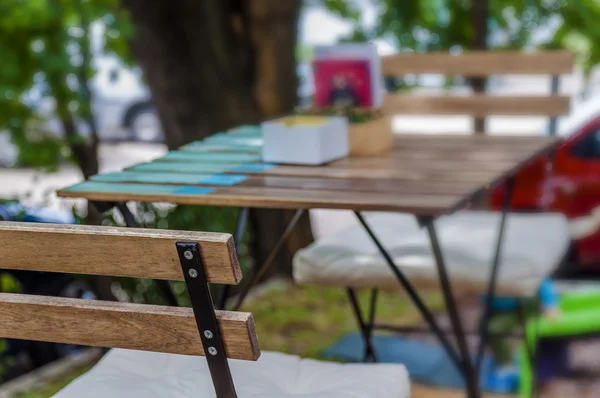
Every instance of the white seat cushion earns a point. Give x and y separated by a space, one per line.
139 374
534 245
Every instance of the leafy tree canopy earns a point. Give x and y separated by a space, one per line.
430 25
45 53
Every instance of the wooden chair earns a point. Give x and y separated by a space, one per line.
157 347
474 65
534 244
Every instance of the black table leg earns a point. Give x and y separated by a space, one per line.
365 329
371 324
415 297
163 286
238 235
471 373
259 271
491 290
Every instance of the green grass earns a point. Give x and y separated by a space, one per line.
301 320
306 320
52 388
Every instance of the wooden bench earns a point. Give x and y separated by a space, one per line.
476 65
158 347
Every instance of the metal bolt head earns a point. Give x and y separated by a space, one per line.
193 273
208 334
188 254
212 350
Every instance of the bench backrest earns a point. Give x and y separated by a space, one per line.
196 257
478 64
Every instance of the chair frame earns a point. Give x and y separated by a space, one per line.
206 319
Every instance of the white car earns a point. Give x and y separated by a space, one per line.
121 103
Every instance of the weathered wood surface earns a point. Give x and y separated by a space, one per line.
423 174
121 325
479 63
113 251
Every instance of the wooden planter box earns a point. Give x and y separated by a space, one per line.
371 138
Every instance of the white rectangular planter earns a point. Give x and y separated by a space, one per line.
310 140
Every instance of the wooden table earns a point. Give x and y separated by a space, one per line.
425 175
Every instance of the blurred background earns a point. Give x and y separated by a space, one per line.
74 99
89 86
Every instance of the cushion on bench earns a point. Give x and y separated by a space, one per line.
534 245
139 374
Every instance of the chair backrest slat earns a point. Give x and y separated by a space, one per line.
121 325
479 63
476 105
113 251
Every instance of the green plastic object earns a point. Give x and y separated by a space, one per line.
580 315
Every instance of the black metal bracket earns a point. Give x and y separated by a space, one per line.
238 236
206 319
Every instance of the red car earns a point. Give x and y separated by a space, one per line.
568 182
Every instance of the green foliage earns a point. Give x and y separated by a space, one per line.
183 218
441 25
44 49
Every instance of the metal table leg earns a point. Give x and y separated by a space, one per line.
238 235
415 297
463 362
130 221
262 268
371 324
491 290
365 329
470 372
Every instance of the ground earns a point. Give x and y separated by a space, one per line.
304 320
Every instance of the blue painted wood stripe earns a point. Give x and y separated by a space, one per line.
138 189
246 131
252 167
210 157
224 179
201 168
225 139
207 147
171 178
175 167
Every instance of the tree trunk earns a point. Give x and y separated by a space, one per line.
216 64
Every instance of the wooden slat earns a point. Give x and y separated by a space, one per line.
357 185
432 174
121 325
114 251
285 199
312 183
426 161
477 105
479 63
464 141
416 177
